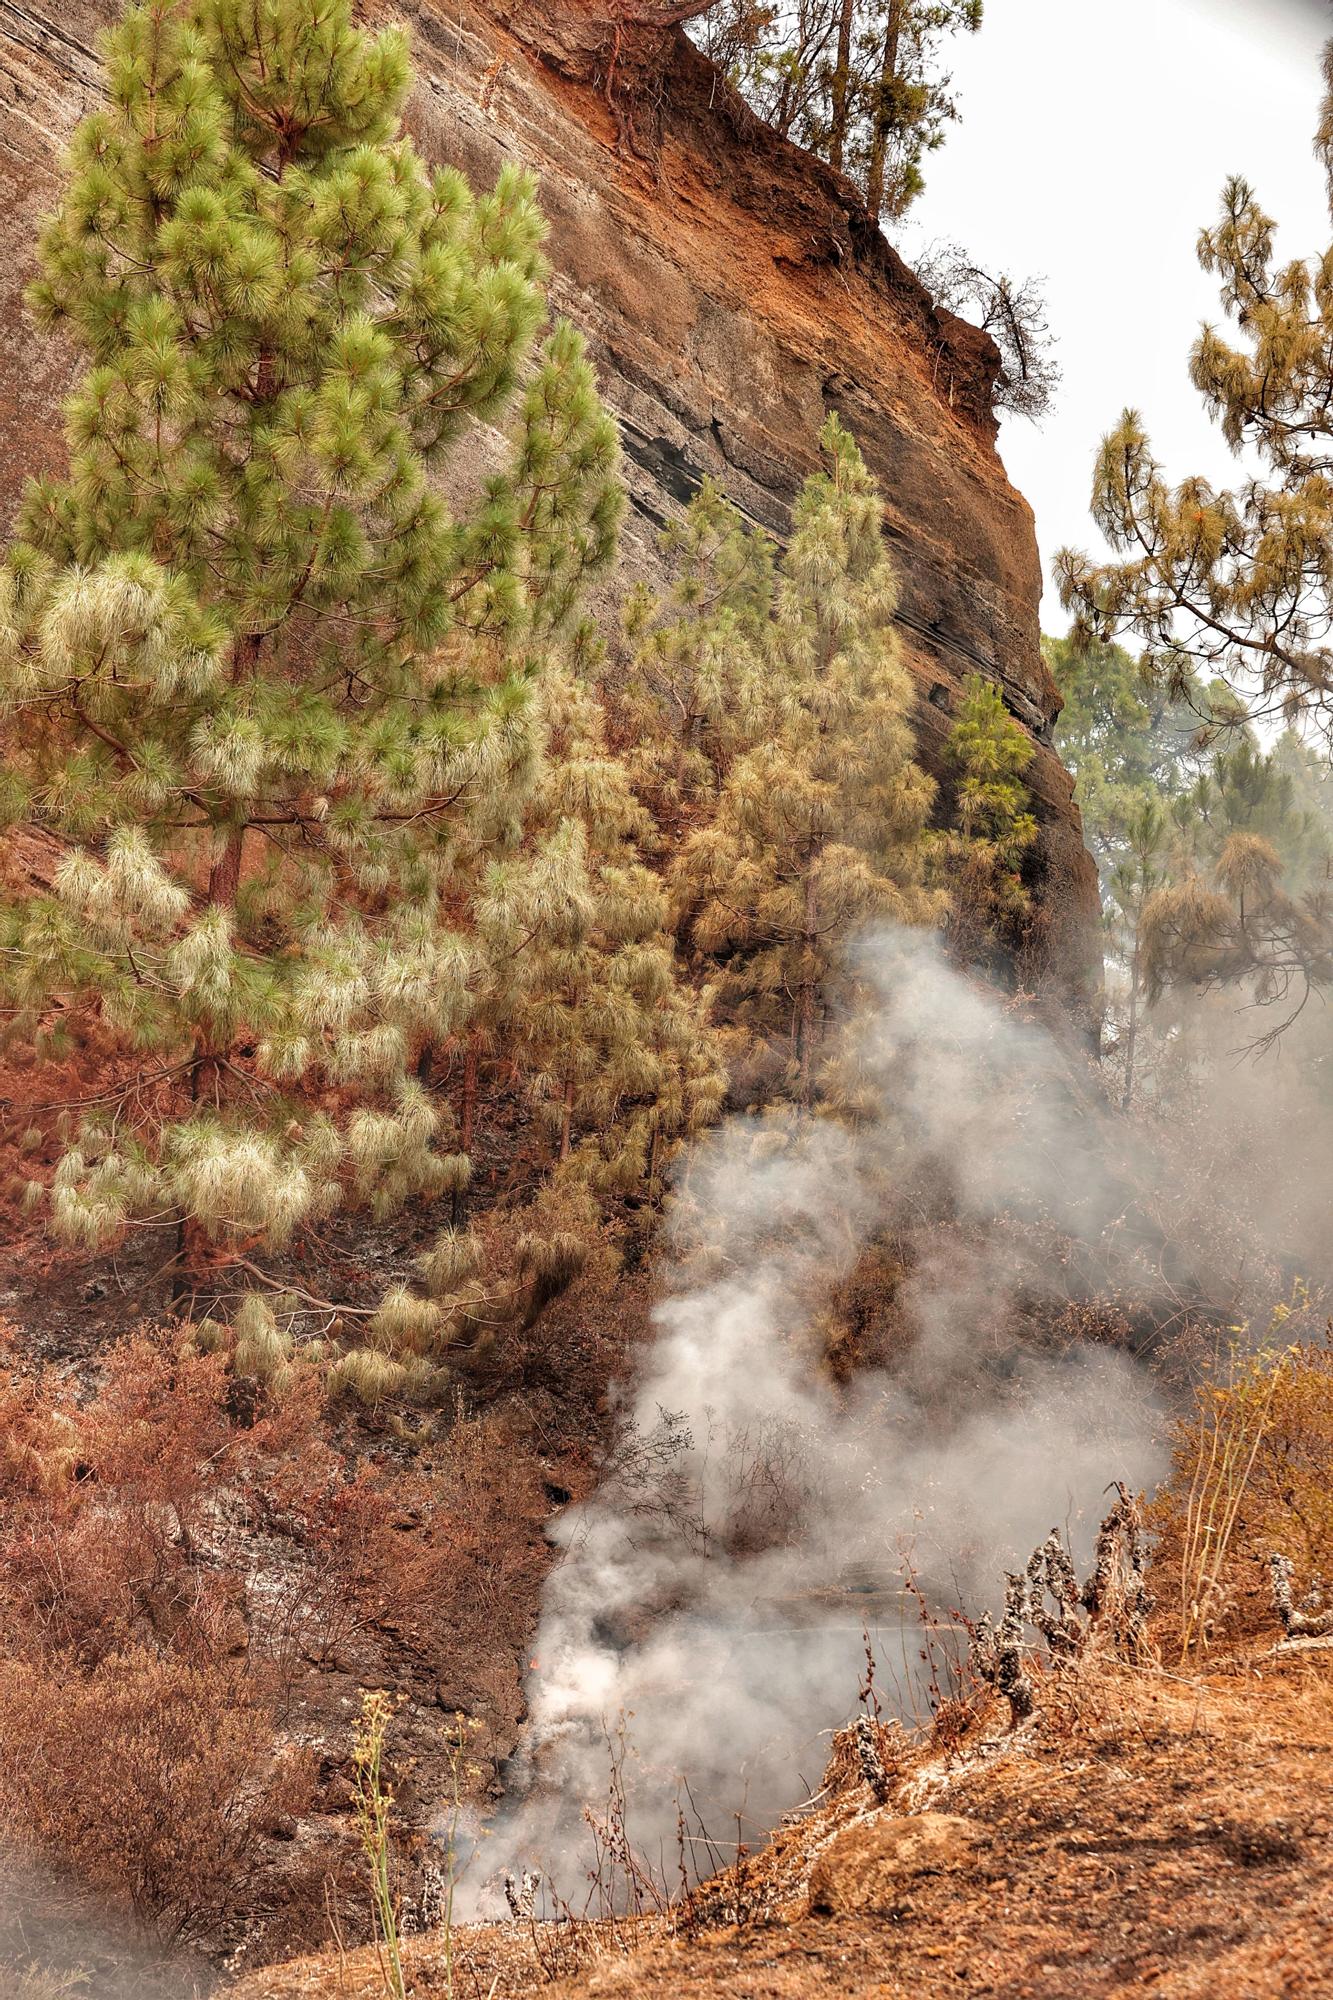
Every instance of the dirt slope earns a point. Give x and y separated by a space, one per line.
1152 1835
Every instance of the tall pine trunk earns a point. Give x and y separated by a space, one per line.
1132 1035
467 1119
879 136
567 1119
842 86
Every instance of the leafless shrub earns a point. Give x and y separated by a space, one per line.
1111 1608
1012 311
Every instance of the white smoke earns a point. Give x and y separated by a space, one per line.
709 1605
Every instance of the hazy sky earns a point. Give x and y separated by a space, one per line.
1094 143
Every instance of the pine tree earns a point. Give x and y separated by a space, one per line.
856 81
1141 873
983 856
1244 789
1126 740
593 1012
685 700
1244 898
1235 922
257 676
819 824
1235 582
1231 589
1166 786
586 1056
1013 311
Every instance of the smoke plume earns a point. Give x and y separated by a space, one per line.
705 1623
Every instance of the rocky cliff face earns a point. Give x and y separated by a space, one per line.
732 291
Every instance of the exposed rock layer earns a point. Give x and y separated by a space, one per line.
732 291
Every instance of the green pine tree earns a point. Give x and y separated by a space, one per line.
1125 740
1232 581
1140 874
258 677
1244 899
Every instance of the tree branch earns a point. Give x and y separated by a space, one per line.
651 14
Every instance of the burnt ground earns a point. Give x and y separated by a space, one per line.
1150 1834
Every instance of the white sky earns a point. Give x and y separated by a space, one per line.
1094 142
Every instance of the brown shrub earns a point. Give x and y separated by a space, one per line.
452 1550
136 1741
1252 1477
481 1555
175 1561
155 1780
114 1529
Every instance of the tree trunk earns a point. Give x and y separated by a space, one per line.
879 137
806 997
841 88
1132 1036
567 1122
224 877
468 1107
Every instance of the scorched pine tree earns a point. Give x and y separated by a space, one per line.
819 827
257 675
982 856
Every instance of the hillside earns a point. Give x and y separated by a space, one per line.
1149 1834
630 1292
731 292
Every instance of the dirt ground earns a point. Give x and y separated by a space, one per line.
1150 1834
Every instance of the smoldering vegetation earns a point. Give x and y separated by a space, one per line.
704 1630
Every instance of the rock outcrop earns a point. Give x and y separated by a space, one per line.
732 290
871 1864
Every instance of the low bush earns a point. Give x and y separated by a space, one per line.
155 1780
175 1559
